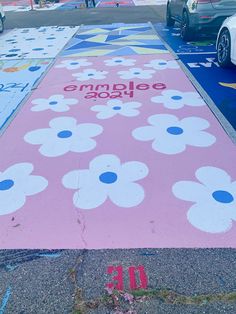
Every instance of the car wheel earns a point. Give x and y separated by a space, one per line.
185 32
169 20
223 49
1 25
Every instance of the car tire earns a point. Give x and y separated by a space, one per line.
169 20
223 49
1 25
186 32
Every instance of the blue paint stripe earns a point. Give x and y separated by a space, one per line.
49 255
5 300
10 267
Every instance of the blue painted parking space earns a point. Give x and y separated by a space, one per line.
199 57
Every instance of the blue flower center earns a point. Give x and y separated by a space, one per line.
118 61
64 134
162 63
52 103
116 108
174 130
223 196
74 63
108 177
90 74
6 185
176 97
136 73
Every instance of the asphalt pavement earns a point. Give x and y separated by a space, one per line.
97 16
76 281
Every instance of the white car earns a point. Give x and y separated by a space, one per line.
226 42
2 19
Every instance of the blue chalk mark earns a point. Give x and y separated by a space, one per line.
148 253
53 255
5 300
222 282
10 267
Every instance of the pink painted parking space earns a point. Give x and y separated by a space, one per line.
114 3
116 152
27 5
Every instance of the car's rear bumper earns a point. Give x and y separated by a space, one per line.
206 22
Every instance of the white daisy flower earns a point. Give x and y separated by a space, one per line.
175 99
63 136
89 74
169 135
117 61
73 64
16 182
161 64
214 199
107 178
117 107
136 73
57 103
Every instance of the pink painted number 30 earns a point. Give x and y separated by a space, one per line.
137 277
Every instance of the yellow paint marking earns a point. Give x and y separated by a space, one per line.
98 39
140 50
125 43
230 85
92 53
141 37
95 31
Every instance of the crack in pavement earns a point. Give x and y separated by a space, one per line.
126 300
81 220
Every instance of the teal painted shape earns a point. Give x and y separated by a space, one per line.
161 47
130 32
115 37
141 29
150 42
5 300
87 45
84 37
121 52
109 28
